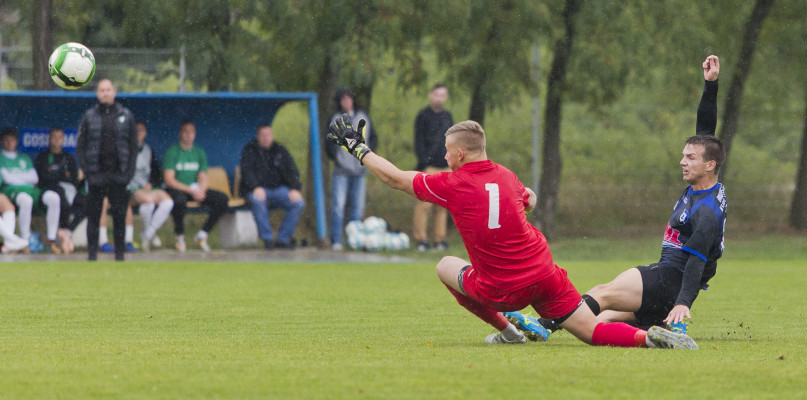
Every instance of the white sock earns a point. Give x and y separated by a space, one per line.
511 333
102 236
145 210
52 203
9 221
201 235
160 216
8 236
129 233
25 204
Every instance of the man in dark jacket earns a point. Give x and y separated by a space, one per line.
107 150
58 171
431 125
270 180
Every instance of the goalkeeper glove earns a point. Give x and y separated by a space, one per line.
341 132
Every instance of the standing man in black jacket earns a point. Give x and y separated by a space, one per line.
107 150
431 125
271 180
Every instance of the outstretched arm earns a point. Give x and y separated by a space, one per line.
342 133
390 174
707 109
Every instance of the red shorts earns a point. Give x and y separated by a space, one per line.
553 297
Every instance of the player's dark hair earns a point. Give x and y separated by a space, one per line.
438 86
186 122
261 126
54 129
713 149
10 131
342 92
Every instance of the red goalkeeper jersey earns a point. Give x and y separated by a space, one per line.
486 202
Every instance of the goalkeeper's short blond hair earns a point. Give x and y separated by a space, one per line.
469 135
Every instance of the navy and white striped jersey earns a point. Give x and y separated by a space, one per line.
696 226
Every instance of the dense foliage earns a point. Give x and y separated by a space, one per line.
631 87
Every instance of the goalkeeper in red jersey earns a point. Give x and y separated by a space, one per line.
510 264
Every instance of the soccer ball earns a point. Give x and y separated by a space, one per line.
373 241
396 241
71 65
375 225
355 234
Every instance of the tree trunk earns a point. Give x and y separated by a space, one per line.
42 39
218 73
364 98
550 174
798 209
735 93
476 111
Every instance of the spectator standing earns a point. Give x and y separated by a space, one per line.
19 184
431 125
106 149
348 180
270 180
185 173
58 171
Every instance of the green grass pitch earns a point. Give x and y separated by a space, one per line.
376 331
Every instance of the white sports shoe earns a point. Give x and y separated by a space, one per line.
156 242
665 339
202 242
145 243
498 338
15 245
180 244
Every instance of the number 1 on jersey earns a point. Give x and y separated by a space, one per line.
493 205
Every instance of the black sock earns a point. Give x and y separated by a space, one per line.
549 324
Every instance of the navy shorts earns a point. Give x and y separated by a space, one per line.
661 283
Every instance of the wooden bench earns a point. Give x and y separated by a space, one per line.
236 228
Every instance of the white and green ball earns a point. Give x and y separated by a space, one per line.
396 241
373 241
375 225
71 65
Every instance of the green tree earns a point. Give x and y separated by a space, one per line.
485 47
731 113
550 181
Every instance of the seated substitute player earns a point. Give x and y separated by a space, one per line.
511 265
663 292
154 203
185 174
19 184
11 242
58 171
271 181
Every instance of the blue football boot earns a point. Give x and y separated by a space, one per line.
530 326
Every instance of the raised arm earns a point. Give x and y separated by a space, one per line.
707 109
